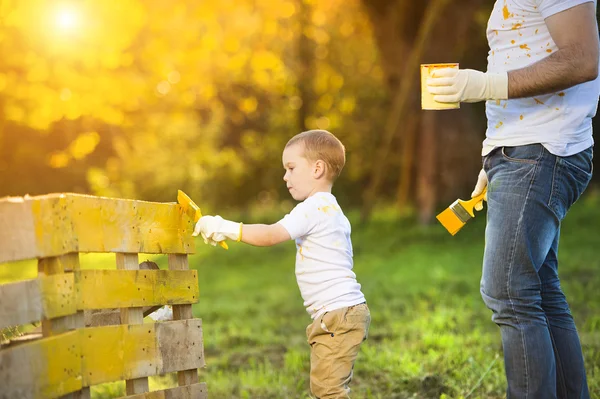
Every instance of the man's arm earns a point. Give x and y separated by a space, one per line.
264 235
575 33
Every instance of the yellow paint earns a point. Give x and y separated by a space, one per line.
521 117
505 12
516 26
512 42
115 353
427 101
193 211
450 221
538 101
536 31
62 354
46 368
448 218
499 125
525 47
327 208
78 223
58 295
300 252
561 94
549 50
101 289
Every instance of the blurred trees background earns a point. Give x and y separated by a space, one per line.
137 99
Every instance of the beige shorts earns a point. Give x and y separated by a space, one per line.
334 340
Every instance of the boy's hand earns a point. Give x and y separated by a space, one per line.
215 229
451 85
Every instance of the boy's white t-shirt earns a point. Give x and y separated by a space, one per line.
562 122
324 254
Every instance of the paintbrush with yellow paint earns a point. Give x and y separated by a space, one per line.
193 211
459 213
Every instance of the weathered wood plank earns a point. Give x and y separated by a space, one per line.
46 368
57 265
105 289
183 312
127 263
195 391
59 295
65 363
114 353
33 300
53 225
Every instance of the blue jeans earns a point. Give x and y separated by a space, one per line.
530 191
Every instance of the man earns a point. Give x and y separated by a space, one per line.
542 91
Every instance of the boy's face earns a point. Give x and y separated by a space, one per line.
300 173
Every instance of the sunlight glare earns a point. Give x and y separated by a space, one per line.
66 19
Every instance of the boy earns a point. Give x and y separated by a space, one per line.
312 161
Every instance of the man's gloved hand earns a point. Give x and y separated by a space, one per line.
482 183
215 229
451 85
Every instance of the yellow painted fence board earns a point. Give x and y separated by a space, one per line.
33 300
64 294
114 353
103 289
195 391
45 368
53 225
67 362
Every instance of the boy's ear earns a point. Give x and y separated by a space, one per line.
320 169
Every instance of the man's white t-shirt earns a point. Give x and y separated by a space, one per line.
324 254
562 121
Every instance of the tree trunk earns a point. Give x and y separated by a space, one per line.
409 33
305 58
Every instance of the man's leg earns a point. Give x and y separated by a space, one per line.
519 234
570 371
572 176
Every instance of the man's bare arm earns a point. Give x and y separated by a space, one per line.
575 33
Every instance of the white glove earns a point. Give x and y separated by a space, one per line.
482 182
215 229
451 85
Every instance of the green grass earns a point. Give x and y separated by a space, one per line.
431 335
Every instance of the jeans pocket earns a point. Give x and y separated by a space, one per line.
572 178
523 154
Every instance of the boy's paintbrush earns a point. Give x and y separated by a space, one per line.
459 213
193 211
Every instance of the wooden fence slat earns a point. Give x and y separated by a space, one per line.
105 289
129 262
33 300
65 363
64 294
54 225
46 368
195 391
183 312
114 353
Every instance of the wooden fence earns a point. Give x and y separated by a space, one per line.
93 328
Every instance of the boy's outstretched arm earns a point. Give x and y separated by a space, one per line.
214 229
264 235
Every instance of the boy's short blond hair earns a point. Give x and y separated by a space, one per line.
322 145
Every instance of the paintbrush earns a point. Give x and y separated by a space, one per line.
193 211
459 213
